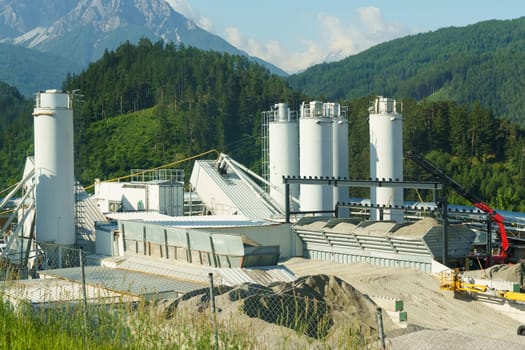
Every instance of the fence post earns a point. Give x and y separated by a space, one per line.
380 327
84 291
212 306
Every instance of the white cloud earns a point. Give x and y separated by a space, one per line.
371 17
338 39
184 8
233 36
206 24
369 29
272 51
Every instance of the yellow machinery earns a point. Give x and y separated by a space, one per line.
451 280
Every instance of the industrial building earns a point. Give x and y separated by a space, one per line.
298 207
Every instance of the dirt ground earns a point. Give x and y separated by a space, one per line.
436 318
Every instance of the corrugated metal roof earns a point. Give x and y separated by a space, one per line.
206 221
212 221
200 273
260 275
44 291
136 283
229 193
174 269
139 215
90 213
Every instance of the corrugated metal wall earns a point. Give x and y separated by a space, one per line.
379 243
350 248
350 257
193 246
460 241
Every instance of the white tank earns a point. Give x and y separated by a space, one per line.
55 196
340 152
283 152
316 159
386 157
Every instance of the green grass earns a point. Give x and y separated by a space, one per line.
142 326
110 327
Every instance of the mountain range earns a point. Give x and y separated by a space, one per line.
41 42
79 31
482 62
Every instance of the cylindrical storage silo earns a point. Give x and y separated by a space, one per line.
386 158
316 159
283 144
54 169
340 153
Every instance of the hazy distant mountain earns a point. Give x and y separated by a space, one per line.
81 30
31 71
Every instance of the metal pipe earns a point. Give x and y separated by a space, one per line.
443 205
17 187
287 201
13 215
212 305
489 240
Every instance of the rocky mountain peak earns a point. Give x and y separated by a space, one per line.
81 30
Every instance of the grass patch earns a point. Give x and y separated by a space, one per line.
142 326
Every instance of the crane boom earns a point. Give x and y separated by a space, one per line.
477 202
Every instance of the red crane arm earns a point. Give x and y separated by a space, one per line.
497 218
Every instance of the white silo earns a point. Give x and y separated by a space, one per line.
386 157
315 153
340 151
55 197
283 144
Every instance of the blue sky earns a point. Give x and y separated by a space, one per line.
295 34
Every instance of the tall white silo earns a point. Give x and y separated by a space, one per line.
55 197
340 151
315 154
283 144
386 157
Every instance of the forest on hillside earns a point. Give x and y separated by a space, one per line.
481 63
200 100
150 104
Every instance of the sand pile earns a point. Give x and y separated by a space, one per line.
318 306
505 272
427 306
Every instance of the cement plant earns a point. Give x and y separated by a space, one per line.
414 275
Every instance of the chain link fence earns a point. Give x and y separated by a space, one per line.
81 279
287 308
76 279
327 320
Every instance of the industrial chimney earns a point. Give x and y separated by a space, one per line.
316 156
386 158
54 170
283 151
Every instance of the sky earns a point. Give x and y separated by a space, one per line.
296 34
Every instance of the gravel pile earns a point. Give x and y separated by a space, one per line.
318 306
436 318
506 272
